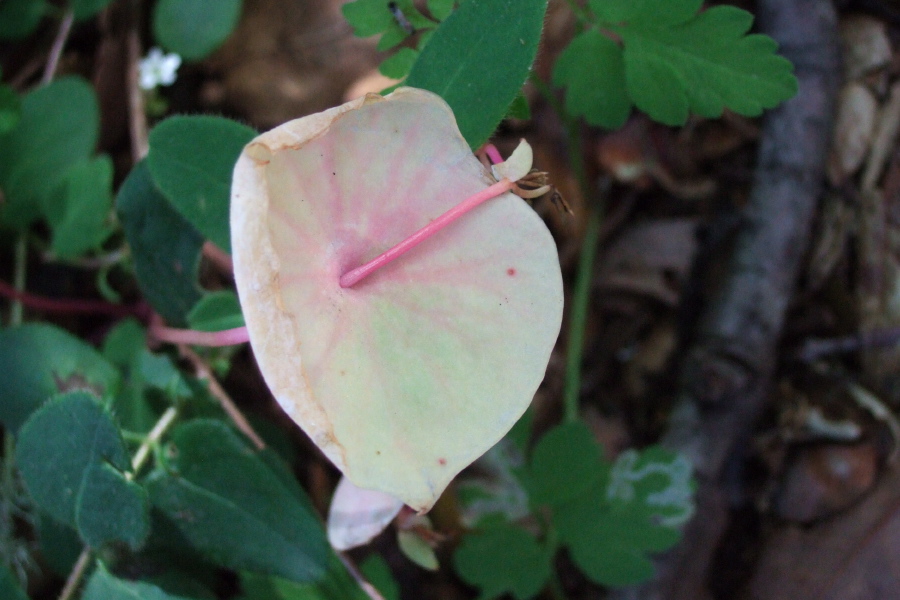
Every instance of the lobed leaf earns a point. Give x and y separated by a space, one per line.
658 12
191 160
566 462
72 459
704 65
78 211
165 247
47 141
478 60
40 360
503 559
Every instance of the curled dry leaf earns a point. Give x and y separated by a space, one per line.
406 377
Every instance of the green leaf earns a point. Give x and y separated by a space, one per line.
19 18
10 107
478 59
704 65
9 587
124 343
440 9
417 550
78 211
191 160
194 28
565 463
38 361
165 247
85 9
398 65
519 108
58 128
60 545
503 559
659 12
265 524
377 572
216 311
158 371
103 586
374 17
336 584
111 508
592 70
124 347
611 527
58 445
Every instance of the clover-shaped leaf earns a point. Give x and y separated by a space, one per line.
407 376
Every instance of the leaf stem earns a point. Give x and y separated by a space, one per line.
226 337
350 278
77 573
56 50
159 430
20 259
67 306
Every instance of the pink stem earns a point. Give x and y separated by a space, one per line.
226 337
493 154
350 278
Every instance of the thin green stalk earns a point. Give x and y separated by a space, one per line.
20 259
580 300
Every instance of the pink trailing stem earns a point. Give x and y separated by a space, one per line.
72 306
350 278
226 337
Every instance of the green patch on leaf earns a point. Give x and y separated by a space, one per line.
194 28
503 559
376 17
216 311
19 18
377 571
72 459
478 60
265 524
165 247
38 361
36 154
191 160
79 210
398 65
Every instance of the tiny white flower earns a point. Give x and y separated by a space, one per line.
158 69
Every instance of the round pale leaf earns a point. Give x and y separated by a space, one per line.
405 378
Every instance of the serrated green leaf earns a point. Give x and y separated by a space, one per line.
704 65
658 12
565 463
110 508
216 311
104 586
19 18
478 59
191 160
38 361
58 128
336 584
165 247
592 70
10 108
612 526
260 525
398 65
9 587
377 572
57 446
85 9
194 28
374 17
78 211
503 559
